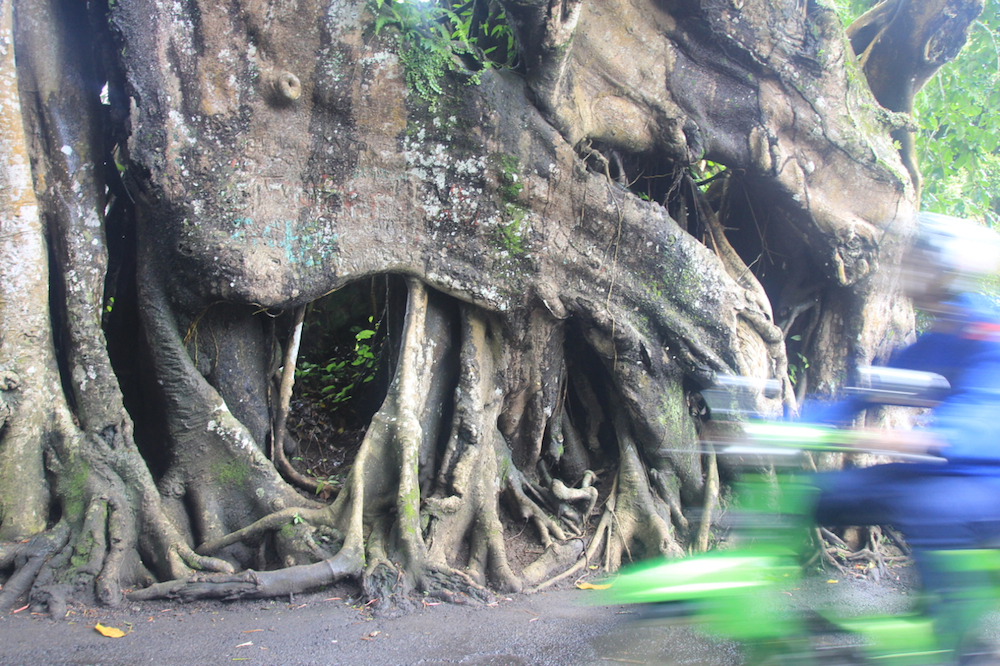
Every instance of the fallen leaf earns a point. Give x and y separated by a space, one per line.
247 644
584 585
250 631
110 632
833 580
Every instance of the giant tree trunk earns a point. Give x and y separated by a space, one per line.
557 325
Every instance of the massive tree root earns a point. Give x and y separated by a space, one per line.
447 541
556 330
81 534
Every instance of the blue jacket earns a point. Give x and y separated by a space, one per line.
968 417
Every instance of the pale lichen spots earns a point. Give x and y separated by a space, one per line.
182 29
343 17
459 180
382 60
20 268
235 434
179 127
486 293
332 63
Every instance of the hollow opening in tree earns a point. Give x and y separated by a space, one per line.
347 355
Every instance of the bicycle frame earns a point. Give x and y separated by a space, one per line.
738 593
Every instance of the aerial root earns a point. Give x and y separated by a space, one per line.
383 585
218 586
383 582
284 399
547 527
640 513
572 505
29 557
711 500
256 584
897 540
630 513
85 559
602 534
841 556
557 558
874 553
820 536
256 531
454 586
122 564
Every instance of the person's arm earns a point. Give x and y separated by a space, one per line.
968 420
835 412
912 442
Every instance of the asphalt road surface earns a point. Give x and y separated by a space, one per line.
560 628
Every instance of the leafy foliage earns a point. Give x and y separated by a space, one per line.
958 140
959 136
342 344
337 380
440 37
511 234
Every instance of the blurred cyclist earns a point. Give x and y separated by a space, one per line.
954 504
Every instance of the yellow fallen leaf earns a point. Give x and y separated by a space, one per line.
584 585
833 580
110 632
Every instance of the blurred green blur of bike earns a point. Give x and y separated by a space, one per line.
741 593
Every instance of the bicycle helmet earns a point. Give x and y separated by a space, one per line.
954 254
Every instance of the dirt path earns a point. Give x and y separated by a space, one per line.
560 628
